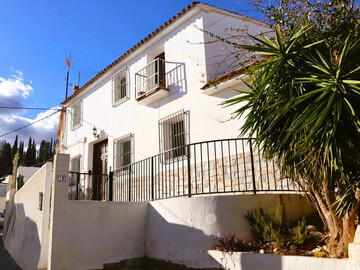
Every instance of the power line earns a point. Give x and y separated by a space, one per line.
58 110
28 108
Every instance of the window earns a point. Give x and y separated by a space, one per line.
160 70
174 135
120 87
123 152
74 167
76 119
75 164
3 191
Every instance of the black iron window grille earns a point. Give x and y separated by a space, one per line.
120 87
76 119
124 152
174 135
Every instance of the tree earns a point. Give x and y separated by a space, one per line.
303 104
21 153
5 160
30 155
303 110
45 151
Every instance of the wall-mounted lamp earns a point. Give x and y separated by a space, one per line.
95 132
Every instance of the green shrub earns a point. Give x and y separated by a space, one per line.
300 233
273 227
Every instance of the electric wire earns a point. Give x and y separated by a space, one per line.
28 108
37 121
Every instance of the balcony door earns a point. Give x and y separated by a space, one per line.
160 70
100 162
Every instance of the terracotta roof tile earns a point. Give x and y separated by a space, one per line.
228 76
148 37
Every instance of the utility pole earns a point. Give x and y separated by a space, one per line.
68 65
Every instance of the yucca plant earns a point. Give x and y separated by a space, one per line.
303 108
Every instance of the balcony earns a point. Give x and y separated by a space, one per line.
150 82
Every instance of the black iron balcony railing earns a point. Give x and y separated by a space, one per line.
150 78
211 167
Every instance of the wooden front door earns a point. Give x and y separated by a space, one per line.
100 160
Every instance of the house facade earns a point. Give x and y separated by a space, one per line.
158 99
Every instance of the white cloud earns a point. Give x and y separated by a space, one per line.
13 92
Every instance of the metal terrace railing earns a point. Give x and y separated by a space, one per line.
150 78
88 186
211 167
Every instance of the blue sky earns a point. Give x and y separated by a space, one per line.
36 36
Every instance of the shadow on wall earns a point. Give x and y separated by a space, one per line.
21 238
184 244
176 82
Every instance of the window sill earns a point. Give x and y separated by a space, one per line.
76 127
121 101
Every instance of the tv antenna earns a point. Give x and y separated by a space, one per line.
68 65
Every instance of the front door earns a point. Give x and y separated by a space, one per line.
100 160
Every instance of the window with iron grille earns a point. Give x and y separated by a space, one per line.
76 118
124 152
174 135
120 87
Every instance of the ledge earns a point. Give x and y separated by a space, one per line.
256 261
152 96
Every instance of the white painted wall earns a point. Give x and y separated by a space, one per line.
181 230
219 60
104 232
26 230
187 55
88 234
254 261
27 172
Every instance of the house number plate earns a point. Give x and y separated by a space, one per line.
61 178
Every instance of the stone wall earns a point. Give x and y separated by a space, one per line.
227 174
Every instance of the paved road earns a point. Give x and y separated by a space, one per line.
6 262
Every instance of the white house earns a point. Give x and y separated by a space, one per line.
161 96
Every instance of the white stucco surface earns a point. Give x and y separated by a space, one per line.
104 232
191 62
88 234
254 261
183 229
26 231
27 172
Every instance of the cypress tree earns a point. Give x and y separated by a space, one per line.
21 153
5 160
27 161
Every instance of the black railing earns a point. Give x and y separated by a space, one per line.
219 166
89 186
